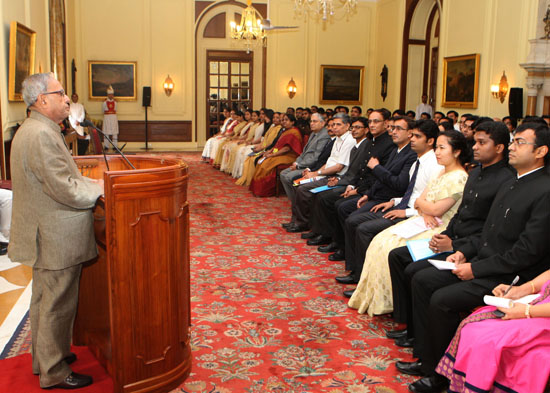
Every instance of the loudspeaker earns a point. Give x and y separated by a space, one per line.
146 96
515 102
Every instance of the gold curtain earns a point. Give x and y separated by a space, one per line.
57 41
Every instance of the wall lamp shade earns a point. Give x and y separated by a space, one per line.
291 88
168 86
501 90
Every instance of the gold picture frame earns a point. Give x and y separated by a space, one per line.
121 75
461 81
341 84
22 54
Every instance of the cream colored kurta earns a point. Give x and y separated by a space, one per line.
373 294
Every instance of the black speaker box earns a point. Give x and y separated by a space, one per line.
146 96
515 102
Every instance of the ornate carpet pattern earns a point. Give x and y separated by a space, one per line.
267 314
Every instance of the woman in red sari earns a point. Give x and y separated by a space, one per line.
288 147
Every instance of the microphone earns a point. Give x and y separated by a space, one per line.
88 123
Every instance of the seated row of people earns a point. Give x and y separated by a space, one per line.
487 224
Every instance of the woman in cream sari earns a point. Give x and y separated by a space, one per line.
207 151
245 149
236 139
241 123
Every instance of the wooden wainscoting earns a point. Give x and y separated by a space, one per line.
159 131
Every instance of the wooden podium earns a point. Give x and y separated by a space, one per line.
134 309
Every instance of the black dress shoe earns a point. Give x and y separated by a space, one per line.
309 235
393 334
285 225
410 368
349 279
339 255
296 228
319 240
349 293
331 247
434 384
404 342
73 381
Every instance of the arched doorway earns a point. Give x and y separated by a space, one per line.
225 74
420 53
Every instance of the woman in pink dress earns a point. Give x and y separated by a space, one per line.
508 354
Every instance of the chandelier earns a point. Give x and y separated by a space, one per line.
323 7
250 30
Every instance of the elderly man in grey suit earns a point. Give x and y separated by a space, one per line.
317 140
52 228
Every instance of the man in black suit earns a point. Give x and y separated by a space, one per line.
324 221
514 241
491 151
363 224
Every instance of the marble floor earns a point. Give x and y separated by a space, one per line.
15 296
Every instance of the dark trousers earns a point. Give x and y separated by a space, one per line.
302 204
440 299
402 270
324 214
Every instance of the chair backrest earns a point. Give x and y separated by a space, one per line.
96 141
71 140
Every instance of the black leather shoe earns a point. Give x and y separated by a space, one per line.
349 293
285 225
309 235
435 384
319 240
339 255
296 228
410 368
393 334
404 342
349 279
331 247
73 381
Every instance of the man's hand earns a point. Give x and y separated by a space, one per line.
441 243
310 174
362 201
305 172
332 181
393 214
382 206
464 271
349 192
293 166
373 162
457 258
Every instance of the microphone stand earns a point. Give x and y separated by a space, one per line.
88 123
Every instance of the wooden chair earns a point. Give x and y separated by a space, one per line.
71 139
95 141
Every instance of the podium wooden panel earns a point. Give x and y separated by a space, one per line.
134 307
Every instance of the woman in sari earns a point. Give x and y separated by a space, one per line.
229 118
508 354
288 147
234 129
235 139
244 149
437 205
269 139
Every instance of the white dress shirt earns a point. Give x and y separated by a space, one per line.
340 152
424 108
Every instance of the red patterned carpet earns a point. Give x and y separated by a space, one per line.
267 313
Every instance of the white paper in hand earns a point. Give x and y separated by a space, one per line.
442 265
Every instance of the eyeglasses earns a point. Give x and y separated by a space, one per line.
521 142
356 127
60 92
397 128
375 121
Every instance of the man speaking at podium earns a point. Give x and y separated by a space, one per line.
52 228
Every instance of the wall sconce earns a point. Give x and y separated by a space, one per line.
499 91
291 88
168 86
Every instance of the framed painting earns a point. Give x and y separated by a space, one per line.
460 81
121 75
22 51
341 84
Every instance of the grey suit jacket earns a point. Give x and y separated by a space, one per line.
313 149
52 222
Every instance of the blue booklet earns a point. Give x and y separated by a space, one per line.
420 249
320 189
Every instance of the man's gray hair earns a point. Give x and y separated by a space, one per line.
342 116
318 116
34 85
